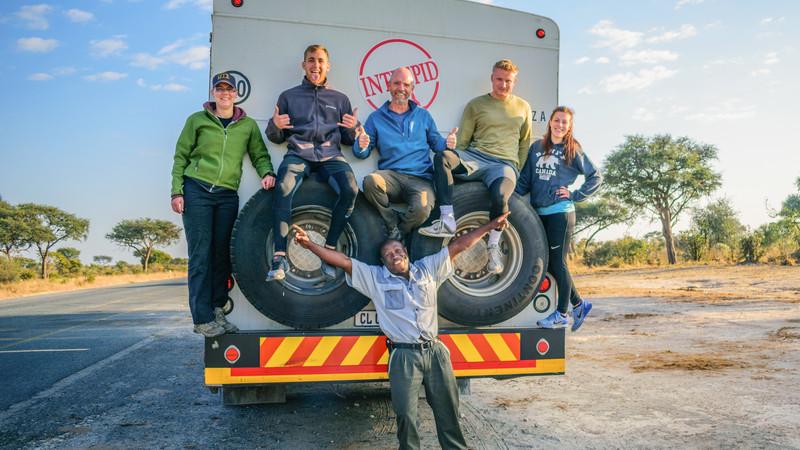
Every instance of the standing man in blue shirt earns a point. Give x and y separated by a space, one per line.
404 134
404 295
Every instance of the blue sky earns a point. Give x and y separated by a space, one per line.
101 90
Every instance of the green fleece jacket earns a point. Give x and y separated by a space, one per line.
208 152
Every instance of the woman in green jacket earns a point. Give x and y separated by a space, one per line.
206 173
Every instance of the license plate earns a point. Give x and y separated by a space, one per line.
366 319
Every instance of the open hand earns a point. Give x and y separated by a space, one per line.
301 237
500 222
281 120
349 121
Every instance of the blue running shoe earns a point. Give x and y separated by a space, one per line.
555 320
580 313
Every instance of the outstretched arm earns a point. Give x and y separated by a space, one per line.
466 241
332 257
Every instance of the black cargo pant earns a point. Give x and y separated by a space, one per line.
208 217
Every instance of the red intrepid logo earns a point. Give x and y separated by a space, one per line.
384 57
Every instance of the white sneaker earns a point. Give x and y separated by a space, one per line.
438 229
495 264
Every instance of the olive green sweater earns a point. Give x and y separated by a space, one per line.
501 128
208 152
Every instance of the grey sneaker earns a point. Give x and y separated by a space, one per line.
495 264
221 320
395 234
279 267
328 271
438 229
209 329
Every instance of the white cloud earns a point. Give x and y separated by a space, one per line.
34 16
40 76
682 3
731 109
771 20
106 76
613 37
193 57
79 16
582 60
586 90
684 32
146 60
647 57
630 81
202 4
108 47
761 72
643 115
771 58
602 60
36 44
62 71
169 87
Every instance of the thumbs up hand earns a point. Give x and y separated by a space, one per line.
281 120
451 139
363 137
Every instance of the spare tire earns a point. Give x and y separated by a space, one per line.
473 296
304 299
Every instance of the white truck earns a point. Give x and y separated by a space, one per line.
306 329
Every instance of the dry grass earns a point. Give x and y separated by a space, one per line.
668 360
32 287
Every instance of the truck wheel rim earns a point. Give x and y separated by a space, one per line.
471 276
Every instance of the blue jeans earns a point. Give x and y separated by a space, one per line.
291 173
208 218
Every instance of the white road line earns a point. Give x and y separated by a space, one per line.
46 350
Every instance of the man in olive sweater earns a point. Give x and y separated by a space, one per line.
493 142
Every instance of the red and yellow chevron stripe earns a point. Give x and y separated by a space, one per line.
289 359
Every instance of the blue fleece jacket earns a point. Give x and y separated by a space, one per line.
542 176
314 112
404 140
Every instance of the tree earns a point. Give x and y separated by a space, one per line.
67 260
718 223
596 215
156 257
790 211
663 176
143 235
49 226
15 230
102 260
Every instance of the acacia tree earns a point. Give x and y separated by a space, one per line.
143 235
15 231
718 223
790 211
103 260
49 226
663 176
598 214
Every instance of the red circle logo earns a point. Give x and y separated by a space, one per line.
542 346
384 57
232 354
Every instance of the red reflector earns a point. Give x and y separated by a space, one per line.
230 283
237 3
545 285
540 33
542 346
232 354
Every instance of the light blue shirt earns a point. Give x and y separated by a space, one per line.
407 309
555 208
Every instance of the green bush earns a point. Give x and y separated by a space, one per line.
617 253
9 271
752 246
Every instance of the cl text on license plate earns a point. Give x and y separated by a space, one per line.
366 319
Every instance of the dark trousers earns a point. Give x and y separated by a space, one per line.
409 369
559 228
447 163
291 173
208 219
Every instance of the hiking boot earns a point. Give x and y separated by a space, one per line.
328 271
579 313
221 320
495 264
210 329
555 320
279 267
438 229
395 234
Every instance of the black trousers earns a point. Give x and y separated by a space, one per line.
208 219
446 163
559 228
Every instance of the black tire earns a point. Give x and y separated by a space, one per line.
473 296
303 300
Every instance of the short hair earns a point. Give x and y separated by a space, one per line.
384 244
314 47
507 65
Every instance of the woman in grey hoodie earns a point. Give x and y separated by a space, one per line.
554 162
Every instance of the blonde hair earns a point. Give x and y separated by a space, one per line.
507 65
314 47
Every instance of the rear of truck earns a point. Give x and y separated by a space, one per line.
450 47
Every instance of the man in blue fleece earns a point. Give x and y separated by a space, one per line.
314 120
404 134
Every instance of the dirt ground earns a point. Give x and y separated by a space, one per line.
36 287
669 358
